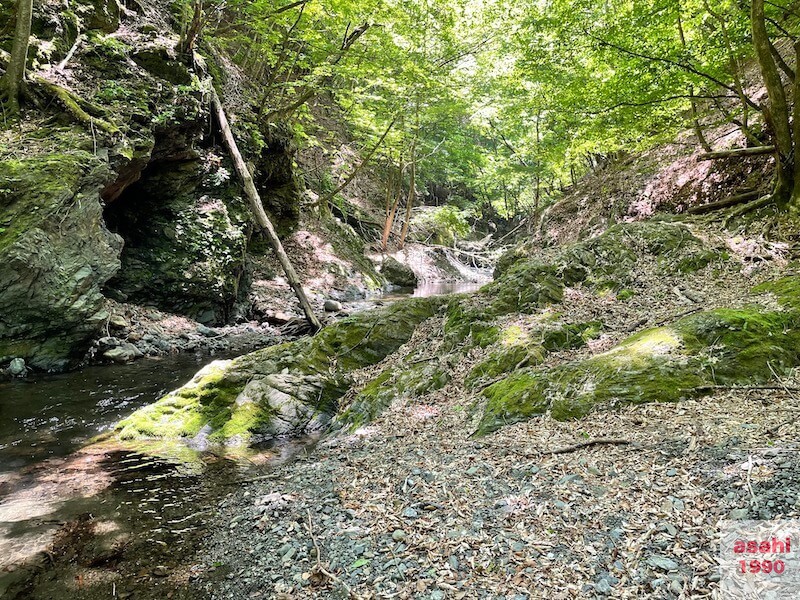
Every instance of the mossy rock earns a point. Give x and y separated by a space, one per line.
55 254
389 385
525 284
469 326
282 390
665 364
517 350
786 289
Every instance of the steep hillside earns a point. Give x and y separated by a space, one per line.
114 186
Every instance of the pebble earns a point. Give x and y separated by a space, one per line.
398 535
410 513
662 562
17 368
602 587
738 514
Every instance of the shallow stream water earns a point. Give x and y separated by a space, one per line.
104 520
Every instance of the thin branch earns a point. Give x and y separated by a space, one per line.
588 444
671 62
658 101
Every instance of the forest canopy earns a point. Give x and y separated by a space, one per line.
501 102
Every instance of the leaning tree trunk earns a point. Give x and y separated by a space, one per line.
15 73
258 210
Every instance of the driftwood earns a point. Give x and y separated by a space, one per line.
258 210
732 201
737 153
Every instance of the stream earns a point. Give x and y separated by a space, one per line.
111 519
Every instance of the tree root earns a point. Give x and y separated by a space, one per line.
83 111
750 206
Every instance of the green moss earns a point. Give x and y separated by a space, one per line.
786 289
743 343
208 399
310 371
473 327
700 260
516 398
506 359
665 364
625 294
570 336
33 190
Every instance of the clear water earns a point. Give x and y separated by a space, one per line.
49 416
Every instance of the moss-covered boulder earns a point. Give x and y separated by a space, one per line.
665 364
55 255
377 394
281 390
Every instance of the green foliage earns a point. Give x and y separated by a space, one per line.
442 225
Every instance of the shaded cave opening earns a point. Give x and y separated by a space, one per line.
185 230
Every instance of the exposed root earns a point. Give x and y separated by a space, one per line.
750 206
84 112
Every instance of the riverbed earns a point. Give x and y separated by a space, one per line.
79 511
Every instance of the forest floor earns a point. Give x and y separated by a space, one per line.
412 506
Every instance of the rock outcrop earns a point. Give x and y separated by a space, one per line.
289 389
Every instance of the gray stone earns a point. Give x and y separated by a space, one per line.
397 273
119 322
124 353
662 562
206 331
603 587
17 368
738 514
332 306
108 342
398 535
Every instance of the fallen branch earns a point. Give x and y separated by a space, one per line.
330 196
588 444
737 153
732 201
78 41
747 388
258 210
742 210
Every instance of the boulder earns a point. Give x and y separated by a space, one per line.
332 306
124 353
397 273
55 256
281 390
17 368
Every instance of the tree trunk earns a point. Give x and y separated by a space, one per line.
392 191
187 43
412 193
777 111
15 73
258 210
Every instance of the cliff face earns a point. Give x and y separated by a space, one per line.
112 184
